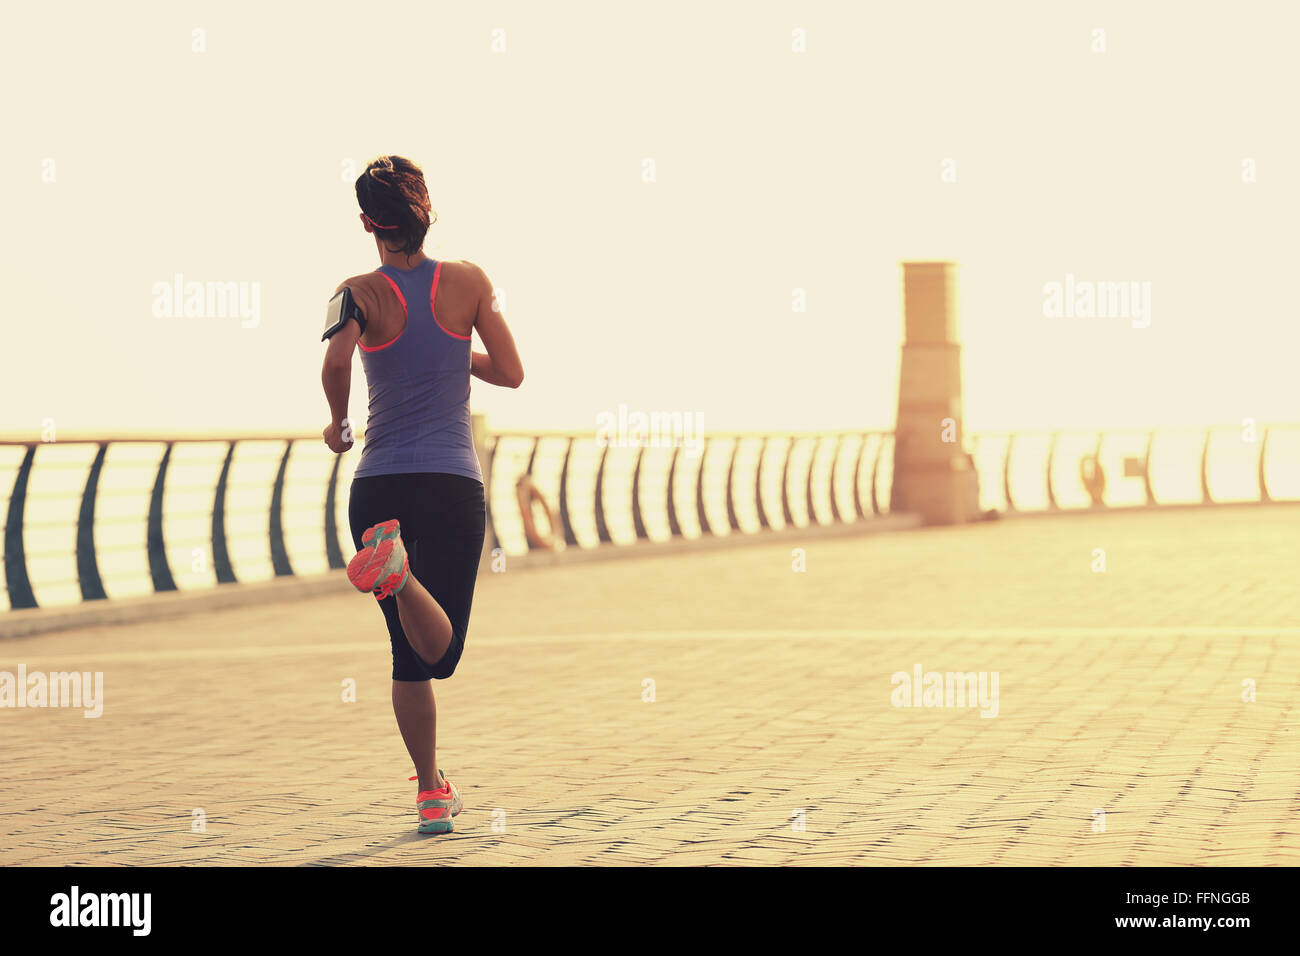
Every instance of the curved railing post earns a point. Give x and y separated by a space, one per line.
602 530
1051 491
279 553
159 570
638 522
758 485
808 486
1146 469
1206 498
857 477
570 539
489 523
835 463
786 513
1006 473
1263 483
732 520
333 552
220 554
674 526
875 474
699 490
17 582
92 585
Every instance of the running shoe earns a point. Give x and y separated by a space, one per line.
380 567
437 807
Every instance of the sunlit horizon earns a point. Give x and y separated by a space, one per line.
789 175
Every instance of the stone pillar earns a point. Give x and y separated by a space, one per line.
932 476
479 429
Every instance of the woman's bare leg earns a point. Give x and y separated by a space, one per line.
426 625
417 719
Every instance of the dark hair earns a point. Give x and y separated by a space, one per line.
392 195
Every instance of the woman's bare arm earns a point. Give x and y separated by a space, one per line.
500 365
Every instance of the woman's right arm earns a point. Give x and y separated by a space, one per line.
500 365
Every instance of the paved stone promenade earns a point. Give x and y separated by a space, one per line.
1121 735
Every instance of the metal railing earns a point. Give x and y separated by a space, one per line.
730 484
605 496
90 517
1128 467
256 507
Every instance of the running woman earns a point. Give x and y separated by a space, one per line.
417 504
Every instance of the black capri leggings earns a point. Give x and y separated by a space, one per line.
442 519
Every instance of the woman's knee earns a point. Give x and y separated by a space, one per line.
447 665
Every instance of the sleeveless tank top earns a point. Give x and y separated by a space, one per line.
419 388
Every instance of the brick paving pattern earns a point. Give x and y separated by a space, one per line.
1121 734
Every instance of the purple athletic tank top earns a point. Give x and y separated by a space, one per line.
419 389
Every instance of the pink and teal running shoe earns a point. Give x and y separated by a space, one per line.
380 567
437 807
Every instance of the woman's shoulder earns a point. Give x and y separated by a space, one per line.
464 271
366 280
365 289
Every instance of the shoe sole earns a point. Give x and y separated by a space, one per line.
443 824
371 562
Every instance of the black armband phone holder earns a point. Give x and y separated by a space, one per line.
341 308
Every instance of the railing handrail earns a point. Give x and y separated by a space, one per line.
76 439
279 436
192 438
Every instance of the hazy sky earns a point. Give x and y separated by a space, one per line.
775 170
